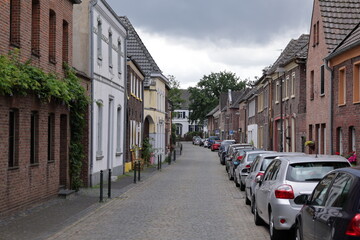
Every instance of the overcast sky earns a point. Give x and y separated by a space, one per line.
192 38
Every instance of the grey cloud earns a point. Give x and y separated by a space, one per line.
239 21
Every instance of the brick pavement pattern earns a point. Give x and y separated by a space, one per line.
192 199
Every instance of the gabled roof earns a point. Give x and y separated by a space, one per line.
136 50
339 17
249 94
240 98
213 111
350 41
296 49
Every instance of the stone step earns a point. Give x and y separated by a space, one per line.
66 193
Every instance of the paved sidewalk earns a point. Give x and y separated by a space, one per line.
47 218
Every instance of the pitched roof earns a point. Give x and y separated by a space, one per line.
239 98
350 41
339 18
213 111
296 49
136 50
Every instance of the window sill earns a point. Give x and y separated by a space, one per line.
50 161
357 102
99 157
118 154
34 164
276 102
52 61
292 96
35 53
13 168
322 95
14 44
342 105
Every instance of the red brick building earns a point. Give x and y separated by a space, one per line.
331 21
34 136
344 62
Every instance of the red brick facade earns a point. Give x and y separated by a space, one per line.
34 166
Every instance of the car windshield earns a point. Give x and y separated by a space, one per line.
266 163
252 157
311 171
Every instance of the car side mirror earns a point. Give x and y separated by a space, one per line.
259 179
302 199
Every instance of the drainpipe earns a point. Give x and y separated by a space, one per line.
125 102
331 105
91 62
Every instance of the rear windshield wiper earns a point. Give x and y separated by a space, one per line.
312 179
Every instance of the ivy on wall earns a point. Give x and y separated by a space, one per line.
18 78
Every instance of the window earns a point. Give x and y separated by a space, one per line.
119 57
110 51
65 43
319 193
261 102
13 148
99 130
352 139
118 132
277 94
252 108
51 137
286 88
34 138
292 85
356 83
312 90
99 41
52 37
342 87
322 80
15 22
316 34
339 190
35 28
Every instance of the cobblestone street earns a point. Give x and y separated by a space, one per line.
192 199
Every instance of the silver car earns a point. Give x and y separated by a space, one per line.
285 178
245 161
257 169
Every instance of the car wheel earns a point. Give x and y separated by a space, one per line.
247 201
298 234
274 234
258 221
229 175
242 186
236 180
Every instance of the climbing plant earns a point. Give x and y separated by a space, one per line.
17 78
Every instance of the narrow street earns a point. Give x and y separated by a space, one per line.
191 199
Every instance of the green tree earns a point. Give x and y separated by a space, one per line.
175 93
205 96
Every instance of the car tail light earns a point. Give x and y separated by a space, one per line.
284 192
248 166
239 157
354 226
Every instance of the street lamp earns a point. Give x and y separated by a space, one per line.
281 70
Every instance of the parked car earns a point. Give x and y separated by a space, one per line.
223 148
212 140
201 143
242 170
197 141
257 169
215 145
234 162
206 142
284 180
332 211
230 157
194 138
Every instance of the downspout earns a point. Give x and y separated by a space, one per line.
125 103
91 62
331 105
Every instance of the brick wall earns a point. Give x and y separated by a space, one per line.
27 182
347 115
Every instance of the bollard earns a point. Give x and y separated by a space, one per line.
139 170
180 148
109 184
101 185
174 155
134 172
160 162
169 161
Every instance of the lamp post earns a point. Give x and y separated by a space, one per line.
281 70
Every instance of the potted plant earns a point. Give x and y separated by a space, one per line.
147 151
